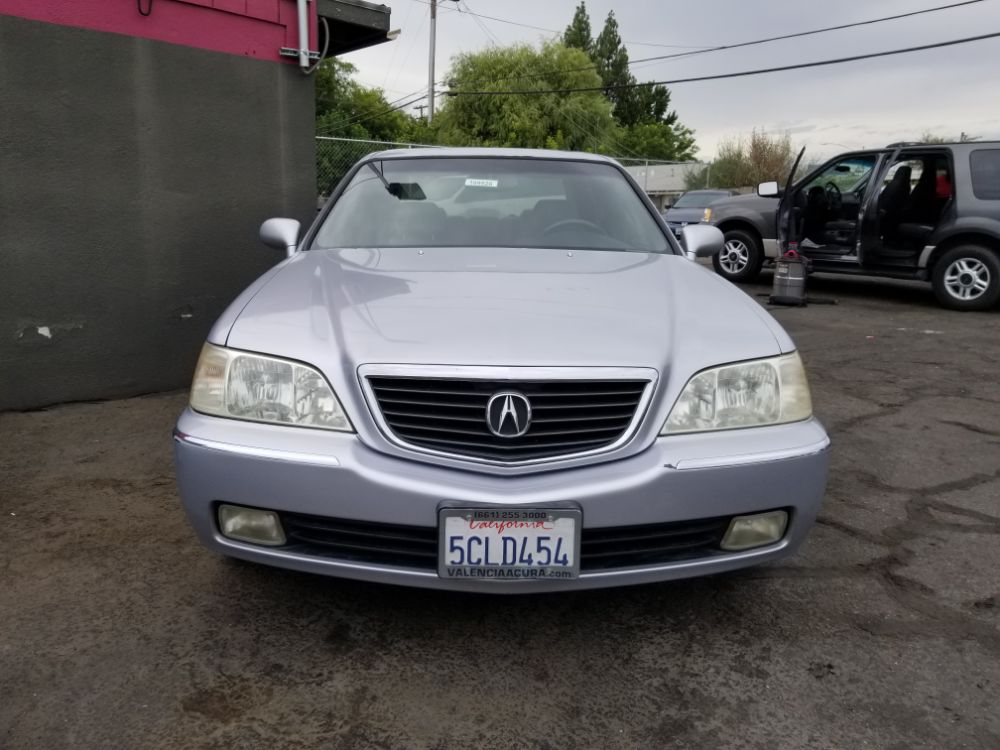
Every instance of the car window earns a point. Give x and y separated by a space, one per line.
985 167
848 175
490 202
916 169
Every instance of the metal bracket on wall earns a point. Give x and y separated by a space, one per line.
294 52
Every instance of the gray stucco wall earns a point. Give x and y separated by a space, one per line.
134 175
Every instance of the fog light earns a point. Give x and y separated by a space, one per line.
755 531
251 525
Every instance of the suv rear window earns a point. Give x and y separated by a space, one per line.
985 167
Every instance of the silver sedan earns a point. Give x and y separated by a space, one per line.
497 370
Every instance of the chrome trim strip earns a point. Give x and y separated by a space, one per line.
722 462
925 255
462 372
700 562
278 554
315 459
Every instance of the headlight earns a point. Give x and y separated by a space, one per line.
707 216
246 386
746 394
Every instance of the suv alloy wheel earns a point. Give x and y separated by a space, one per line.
967 278
741 256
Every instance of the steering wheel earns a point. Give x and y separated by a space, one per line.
566 223
834 198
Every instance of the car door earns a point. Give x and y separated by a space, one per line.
823 211
784 216
870 239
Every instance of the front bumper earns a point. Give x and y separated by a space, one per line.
680 478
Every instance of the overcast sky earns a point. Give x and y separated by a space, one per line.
861 104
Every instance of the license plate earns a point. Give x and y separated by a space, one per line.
509 545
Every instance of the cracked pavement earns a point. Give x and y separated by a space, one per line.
118 631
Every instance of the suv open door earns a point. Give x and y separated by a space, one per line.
823 214
785 217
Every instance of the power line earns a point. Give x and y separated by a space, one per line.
362 117
556 31
391 109
812 32
395 49
441 8
409 50
578 122
739 74
740 45
490 36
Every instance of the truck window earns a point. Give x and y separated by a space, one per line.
847 175
984 164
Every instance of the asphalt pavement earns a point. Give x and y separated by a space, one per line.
117 630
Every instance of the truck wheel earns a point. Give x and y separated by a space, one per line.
967 278
741 256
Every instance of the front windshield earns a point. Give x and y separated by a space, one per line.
697 200
847 175
490 202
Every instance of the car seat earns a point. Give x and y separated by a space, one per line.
893 200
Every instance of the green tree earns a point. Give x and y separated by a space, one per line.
649 127
611 58
657 141
746 161
346 109
578 121
578 33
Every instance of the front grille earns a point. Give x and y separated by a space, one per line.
361 541
630 546
417 546
449 415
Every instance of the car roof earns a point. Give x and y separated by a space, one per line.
972 144
915 146
496 153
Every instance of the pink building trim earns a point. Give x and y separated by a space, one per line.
249 28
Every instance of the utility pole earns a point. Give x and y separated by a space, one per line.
430 63
421 107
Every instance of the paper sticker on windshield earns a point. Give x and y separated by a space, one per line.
473 182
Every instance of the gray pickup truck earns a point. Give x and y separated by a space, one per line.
928 212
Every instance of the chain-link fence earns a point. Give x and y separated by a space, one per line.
662 180
336 156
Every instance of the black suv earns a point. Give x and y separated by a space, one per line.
908 211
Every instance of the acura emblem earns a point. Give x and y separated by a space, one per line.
508 414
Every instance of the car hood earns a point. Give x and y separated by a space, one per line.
506 307
689 215
748 200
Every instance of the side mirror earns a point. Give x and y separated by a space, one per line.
768 190
281 234
701 240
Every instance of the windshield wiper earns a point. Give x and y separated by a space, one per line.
403 191
381 177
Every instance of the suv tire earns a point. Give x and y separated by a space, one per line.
741 256
967 278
